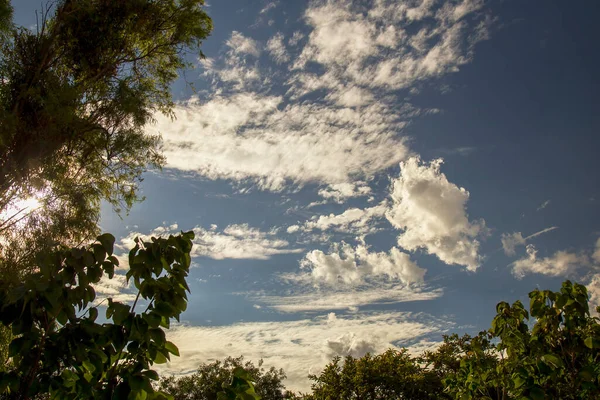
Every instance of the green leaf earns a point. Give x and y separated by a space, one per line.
552 360
89 366
108 241
172 348
160 358
592 342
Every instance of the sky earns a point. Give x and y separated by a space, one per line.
363 175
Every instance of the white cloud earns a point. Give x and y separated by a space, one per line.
350 127
355 221
277 48
115 288
271 5
431 211
299 347
593 288
345 38
561 263
237 241
352 265
343 298
241 44
340 192
254 137
511 240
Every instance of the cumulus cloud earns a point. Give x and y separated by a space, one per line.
345 264
561 263
299 347
511 240
236 241
431 212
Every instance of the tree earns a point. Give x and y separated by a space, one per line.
75 96
208 381
555 357
391 375
62 350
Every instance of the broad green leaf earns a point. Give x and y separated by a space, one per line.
172 348
108 241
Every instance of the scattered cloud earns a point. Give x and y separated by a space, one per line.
543 205
561 263
248 137
271 5
302 346
276 47
431 211
241 44
237 241
355 221
337 125
511 240
340 192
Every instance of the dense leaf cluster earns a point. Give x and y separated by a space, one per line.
64 348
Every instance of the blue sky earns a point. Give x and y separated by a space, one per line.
309 164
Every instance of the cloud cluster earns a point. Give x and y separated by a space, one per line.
389 46
299 347
349 265
336 125
561 263
431 212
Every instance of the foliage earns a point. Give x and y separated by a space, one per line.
212 378
61 348
556 358
391 375
75 95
